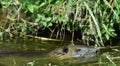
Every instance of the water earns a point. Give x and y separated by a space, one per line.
33 52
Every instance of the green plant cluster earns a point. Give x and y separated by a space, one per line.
95 18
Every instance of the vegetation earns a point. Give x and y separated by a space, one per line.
94 19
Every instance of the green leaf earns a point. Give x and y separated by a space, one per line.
37 2
36 8
39 16
111 30
107 36
42 4
48 19
55 18
58 2
44 24
103 31
30 8
50 1
49 24
37 19
47 10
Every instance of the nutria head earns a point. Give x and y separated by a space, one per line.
84 51
65 49
75 52
60 51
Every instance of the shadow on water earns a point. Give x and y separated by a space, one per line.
32 52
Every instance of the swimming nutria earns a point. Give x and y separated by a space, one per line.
74 51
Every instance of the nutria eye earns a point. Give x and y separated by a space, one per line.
77 50
96 51
65 49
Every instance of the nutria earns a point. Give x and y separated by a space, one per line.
74 51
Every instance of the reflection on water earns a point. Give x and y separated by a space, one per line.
31 52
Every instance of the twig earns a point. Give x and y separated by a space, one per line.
75 17
31 23
95 22
43 38
110 60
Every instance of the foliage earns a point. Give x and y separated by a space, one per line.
94 18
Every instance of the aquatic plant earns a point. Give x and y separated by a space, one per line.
94 19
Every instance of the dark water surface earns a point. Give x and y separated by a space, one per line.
31 52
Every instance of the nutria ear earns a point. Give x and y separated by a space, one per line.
78 50
65 49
